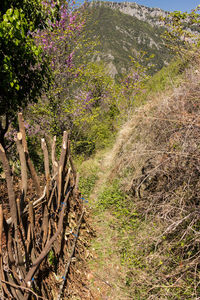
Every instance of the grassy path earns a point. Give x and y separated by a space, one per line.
107 276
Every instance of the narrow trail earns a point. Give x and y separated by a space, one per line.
104 170
106 162
107 276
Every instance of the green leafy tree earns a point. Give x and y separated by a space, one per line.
24 71
134 81
183 34
77 87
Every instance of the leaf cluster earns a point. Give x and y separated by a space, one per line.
23 67
182 34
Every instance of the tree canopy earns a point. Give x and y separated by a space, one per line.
24 71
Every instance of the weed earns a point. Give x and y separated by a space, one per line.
88 177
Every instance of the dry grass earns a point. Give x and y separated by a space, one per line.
157 155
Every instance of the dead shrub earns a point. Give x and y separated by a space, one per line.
162 148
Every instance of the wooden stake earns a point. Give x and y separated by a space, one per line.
9 181
28 160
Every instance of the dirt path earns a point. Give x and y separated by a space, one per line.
107 276
104 171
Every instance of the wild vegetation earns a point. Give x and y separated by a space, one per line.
39 230
24 72
143 191
150 189
124 35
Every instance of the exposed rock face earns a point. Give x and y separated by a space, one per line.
124 30
141 12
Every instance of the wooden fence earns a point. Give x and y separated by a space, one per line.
42 229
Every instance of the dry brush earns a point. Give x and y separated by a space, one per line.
39 233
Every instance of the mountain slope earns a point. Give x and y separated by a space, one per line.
123 34
141 12
146 200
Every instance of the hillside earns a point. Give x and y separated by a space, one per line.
99 178
124 29
146 198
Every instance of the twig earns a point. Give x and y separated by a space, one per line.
9 181
28 160
23 288
47 248
54 162
9 220
24 176
46 165
172 227
1 228
70 258
164 287
104 281
147 151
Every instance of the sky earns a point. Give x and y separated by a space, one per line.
169 5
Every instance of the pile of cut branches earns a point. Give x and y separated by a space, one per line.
38 238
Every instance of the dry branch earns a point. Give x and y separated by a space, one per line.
46 165
45 224
59 183
31 219
67 180
11 193
70 258
1 228
29 162
63 155
47 248
46 158
35 203
39 227
53 152
24 176
73 168
23 288
62 164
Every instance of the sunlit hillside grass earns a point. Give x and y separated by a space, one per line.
147 186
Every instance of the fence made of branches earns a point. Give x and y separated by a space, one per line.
39 233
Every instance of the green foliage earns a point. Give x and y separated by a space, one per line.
111 197
88 111
134 81
24 72
168 76
182 36
33 11
94 135
86 183
122 36
35 151
52 258
88 171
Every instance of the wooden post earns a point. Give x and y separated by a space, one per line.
54 162
46 165
9 181
24 177
29 162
